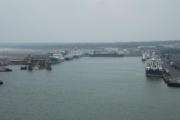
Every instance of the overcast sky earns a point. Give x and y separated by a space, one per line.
89 20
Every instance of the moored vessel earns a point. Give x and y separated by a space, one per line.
154 68
4 69
106 53
68 57
56 58
23 68
143 57
1 82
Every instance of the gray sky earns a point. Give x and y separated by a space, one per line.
89 20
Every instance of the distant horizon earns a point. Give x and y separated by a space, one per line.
88 42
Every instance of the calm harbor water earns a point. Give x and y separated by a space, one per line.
88 89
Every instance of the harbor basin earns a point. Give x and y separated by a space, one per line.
88 89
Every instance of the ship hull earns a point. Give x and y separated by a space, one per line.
154 73
5 70
173 84
1 82
143 59
56 61
68 58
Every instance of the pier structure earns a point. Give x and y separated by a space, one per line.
171 74
48 64
38 62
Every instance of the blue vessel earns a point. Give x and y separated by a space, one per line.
143 58
154 68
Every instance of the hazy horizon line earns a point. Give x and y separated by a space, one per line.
19 42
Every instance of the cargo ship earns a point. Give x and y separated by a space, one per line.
154 68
